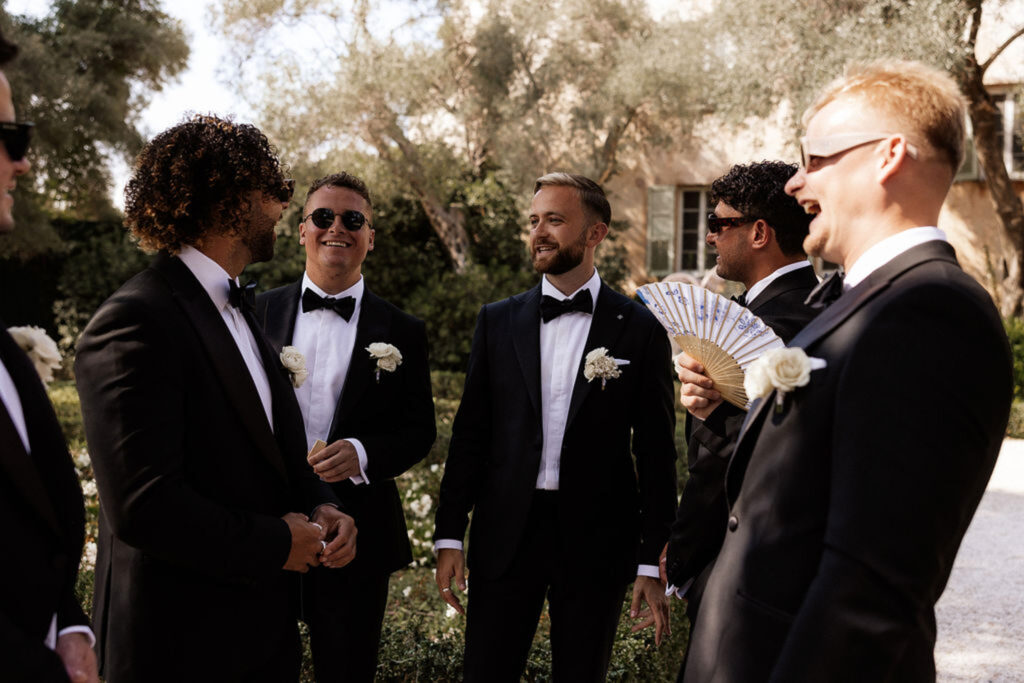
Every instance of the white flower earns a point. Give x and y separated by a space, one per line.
89 488
295 363
407 591
41 350
88 556
781 369
602 366
388 357
421 506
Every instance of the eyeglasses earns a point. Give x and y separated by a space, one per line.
15 137
836 144
286 190
717 223
351 220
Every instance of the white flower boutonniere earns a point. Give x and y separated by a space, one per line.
600 365
780 369
387 355
39 348
295 363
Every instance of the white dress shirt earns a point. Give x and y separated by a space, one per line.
12 403
214 279
763 283
882 252
326 340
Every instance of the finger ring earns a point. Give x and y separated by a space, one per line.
323 546
317 526
446 590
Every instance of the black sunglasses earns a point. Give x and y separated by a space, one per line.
15 137
352 221
285 191
716 223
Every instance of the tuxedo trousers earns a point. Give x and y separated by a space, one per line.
344 610
503 612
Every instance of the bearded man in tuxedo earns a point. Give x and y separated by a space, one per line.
858 486
758 231
376 423
194 431
44 634
545 436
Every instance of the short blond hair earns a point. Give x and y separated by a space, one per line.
925 100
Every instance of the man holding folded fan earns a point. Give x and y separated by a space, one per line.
195 435
563 450
367 401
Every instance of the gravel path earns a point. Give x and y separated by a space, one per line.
981 614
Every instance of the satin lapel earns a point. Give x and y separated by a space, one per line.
525 319
801 277
20 465
374 326
224 355
277 316
605 329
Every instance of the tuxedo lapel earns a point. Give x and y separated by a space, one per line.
526 341
279 316
374 326
22 467
605 329
224 355
796 279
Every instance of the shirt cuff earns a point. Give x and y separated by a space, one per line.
678 592
442 543
360 478
650 570
85 630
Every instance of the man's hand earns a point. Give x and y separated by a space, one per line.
451 563
306 542
697 394
78 657
335 462
646 589
340 532
663 565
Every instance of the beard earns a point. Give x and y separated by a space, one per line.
564 259
259 237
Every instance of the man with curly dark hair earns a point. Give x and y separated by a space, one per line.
44 634
758 232
195 435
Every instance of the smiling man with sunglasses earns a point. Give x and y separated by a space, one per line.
376 423
858 486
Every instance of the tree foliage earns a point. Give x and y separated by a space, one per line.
83 76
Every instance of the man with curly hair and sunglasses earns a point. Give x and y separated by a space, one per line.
44 634
758 231
194 432
859 483
375 419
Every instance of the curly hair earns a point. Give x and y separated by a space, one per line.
758 190
195 179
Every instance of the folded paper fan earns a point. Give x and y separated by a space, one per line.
724 336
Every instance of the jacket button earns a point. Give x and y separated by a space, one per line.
733 522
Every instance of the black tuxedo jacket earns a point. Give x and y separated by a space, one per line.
703 511
859 489
193 483
608 501
393 417
43 527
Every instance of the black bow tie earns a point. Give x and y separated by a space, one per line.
741 299
242 297
551 308
827 291
343 307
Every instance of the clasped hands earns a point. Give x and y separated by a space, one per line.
328 539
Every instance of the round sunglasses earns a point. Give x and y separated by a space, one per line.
15 138
351 220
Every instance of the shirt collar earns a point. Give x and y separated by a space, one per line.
763 283
593 284
213 278
882 252
355 291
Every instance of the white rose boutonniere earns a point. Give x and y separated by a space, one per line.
780 369
39 348
600 365
295 363
387 355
